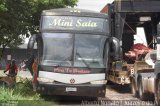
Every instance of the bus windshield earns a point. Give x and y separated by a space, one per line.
57 47
73 50
89 50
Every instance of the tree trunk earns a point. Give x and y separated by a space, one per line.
2 51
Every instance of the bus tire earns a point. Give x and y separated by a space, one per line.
142 95
157 98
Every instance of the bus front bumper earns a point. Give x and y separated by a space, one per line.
88 90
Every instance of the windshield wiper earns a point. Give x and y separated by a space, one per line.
83 61
67 59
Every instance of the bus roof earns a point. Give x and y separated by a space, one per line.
73 12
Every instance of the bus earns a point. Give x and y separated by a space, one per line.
72 52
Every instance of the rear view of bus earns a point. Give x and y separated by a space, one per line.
72 52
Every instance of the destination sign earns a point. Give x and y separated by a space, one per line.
74 23
71 70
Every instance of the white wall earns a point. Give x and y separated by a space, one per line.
140 36
95 5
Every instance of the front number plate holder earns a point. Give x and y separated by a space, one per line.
71 89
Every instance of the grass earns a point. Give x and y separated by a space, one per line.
21 94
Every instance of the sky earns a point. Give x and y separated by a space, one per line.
95 5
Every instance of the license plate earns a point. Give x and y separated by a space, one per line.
71 89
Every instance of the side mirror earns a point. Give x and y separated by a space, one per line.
158 30
158 48
30 52
115 51
158 42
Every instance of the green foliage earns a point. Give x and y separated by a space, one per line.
8 97
7 94
25 88
20 19
21 91
2 5
21 95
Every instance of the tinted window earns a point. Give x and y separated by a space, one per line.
57 47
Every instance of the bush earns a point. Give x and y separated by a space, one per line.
21 94
24 88
21 91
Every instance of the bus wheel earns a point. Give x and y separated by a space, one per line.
133 88
157 99
142 95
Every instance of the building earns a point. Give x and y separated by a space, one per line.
19 54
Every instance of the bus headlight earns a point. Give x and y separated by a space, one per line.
45 80
99 82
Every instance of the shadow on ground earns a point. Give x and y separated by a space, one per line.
69 100
119 88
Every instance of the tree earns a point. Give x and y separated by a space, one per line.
20 19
